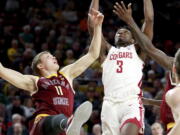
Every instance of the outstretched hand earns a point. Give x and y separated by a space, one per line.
123 12
96 17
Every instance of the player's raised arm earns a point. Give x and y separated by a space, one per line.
105 45
25 82
148 24
75 69
125 14
94 5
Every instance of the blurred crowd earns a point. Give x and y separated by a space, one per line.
60 26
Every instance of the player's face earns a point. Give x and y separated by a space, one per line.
123 37
49 62
157 129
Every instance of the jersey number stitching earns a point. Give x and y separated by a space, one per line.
120 68
59 90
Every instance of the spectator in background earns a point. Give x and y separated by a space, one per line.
157 129
12 5
2 117
70 13
26 36
44 47
79 96
17 128
69 57
28 107
13 52
14 108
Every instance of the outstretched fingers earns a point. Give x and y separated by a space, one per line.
129 6
118 9
123 6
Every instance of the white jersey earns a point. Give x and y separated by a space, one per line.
122 74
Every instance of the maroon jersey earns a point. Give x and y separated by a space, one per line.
166 114
54 96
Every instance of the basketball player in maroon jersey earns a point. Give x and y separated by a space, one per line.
52 91
165 111
125 13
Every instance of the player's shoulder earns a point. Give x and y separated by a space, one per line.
33 77
64 72
172 96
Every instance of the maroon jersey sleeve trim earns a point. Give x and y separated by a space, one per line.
172 79
52 75
36 84
67 80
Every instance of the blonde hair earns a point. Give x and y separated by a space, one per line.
36 61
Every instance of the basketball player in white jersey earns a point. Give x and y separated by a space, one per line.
172 96
122 110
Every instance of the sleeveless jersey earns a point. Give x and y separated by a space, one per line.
165 110
122 74
54 96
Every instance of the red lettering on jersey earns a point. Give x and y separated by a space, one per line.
119 55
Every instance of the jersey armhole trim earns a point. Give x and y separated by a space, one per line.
171 79
60 72
36 81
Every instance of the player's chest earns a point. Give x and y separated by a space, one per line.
56 86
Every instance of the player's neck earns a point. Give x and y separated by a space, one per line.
48 73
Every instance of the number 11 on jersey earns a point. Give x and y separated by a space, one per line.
59 90
120 66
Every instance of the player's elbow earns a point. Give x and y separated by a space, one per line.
149 50
93 55
2 71
149 19
27 87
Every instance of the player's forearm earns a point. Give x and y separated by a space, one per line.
15 78
141 38
95 46
147 27
153 102
94 5
148 11
145 44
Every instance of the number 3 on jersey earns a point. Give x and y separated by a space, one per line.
59 90
120 68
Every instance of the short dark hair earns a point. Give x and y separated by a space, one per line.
177 63
125 27
36 61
